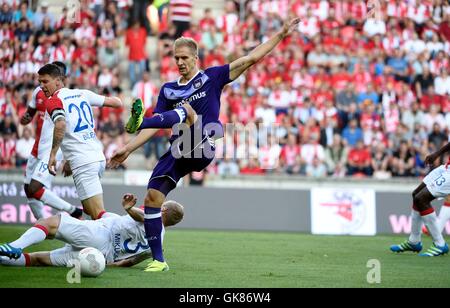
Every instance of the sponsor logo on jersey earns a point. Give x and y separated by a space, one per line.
72 96
191 99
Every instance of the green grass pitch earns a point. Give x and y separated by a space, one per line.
231 259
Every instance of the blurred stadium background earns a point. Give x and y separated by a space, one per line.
355 104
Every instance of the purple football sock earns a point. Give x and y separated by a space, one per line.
166 119
153 231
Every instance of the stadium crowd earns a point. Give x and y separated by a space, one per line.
350 95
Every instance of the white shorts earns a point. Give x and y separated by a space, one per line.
38 170
64 256
79 234
87 179
438 182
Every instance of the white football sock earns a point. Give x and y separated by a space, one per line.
50 198
416 227
444 216
37 208
431 221
31 236
13 262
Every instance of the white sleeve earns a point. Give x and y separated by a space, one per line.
32 103
93 98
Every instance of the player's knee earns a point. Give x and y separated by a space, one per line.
34 190
154 198
27 190
420 202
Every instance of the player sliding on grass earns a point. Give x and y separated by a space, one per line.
193 98
435 185
120 238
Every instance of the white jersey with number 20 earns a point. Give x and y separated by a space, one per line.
80 145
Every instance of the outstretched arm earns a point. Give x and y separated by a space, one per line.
240 65
429 160
113 102
132 260
128 203
122 154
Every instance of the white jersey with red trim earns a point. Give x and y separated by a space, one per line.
44 128
80 145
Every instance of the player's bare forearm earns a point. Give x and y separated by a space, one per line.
28 116
132 260
242 64
58 135
136 214
443 150
113 102
430 159
143 136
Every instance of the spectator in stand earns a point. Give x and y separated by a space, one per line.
269 154
403 161
108 56
86 31
6 13
380 162
374 26
399 66
423 81
23 13
359 160
8 125
432 117
252 167
336 157
207 21
23 147
211 38
7 148
181 15
135 39
437 137
412 117
420 168
444 27
228 167
23 33
316 169
40 16
352 134
442 83
145 90
312 148
290 156
346 97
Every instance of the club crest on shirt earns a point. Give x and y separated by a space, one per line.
198 84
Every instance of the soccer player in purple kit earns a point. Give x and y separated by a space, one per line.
193 99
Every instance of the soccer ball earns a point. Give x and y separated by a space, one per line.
92 262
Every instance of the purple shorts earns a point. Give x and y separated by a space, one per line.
170 169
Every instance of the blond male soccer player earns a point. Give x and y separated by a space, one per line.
193 99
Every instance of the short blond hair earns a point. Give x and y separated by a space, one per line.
188 42
174 213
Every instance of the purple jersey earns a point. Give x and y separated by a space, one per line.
202 92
